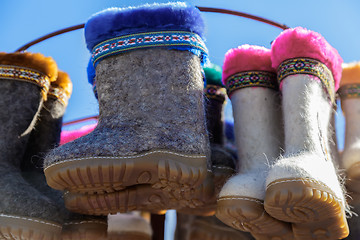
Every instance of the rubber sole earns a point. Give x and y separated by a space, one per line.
128 236
143 198
248 215
311 206
84 230
209 231
161 169
353 178
17 227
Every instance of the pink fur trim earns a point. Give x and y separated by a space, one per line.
68 136
246 58
300 42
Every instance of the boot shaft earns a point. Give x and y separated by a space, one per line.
24 80
306 116
46 134
156 93
252 87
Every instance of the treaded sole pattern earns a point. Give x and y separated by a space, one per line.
210 231
161 169
142 198
248 214
89 230
311 206
16 227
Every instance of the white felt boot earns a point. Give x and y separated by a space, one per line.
303 186
258 134
350 102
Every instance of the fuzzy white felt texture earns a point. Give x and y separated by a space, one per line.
306 111
258 133
121 223
351 153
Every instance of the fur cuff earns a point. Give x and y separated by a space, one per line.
61 89
91 72
36 61
246 58
64 82
115 22
350 73
213 75
302 43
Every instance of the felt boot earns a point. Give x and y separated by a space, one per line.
45 136
128 227
252 88
206 228
200 200
349 93
303 186
24 212
151 124
222 161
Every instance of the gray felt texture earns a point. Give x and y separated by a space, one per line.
20 104
44 136
148 99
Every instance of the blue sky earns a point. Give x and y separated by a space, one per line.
22 21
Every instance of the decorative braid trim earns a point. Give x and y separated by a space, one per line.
59 94
26 75
215 92
180 40
251 79
349 91
311 67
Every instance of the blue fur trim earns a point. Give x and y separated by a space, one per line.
91 72
115 22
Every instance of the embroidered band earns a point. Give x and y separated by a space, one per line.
185 41
215 92
59 94
311 67
251 79
349 91
27 75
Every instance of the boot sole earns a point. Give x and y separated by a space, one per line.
142 198
353 178
16 227
311 206
89 230
161 169
248 214
128 236
211 231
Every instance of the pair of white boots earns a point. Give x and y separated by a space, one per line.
287 186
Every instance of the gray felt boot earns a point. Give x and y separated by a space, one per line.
151 124
24 212
200 200
45 136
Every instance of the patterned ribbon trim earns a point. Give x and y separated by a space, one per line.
215 92
170 39
349 91
27 75
251 79
60 94
311 67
